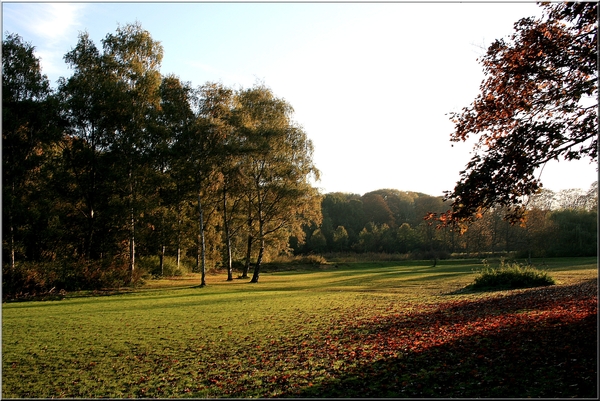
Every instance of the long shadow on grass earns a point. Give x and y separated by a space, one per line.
553 357
367 277
553 362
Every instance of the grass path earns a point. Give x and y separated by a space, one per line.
378 329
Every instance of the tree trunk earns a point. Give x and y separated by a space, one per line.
162 246
132 245
227 261
178 233
507 237
92 197
90 236
202 245
248 256
162 260
12 248
11 280
12 232
131 226
261 252
250 241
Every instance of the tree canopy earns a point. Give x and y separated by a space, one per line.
538 102
120 163
30 128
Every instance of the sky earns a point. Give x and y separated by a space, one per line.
371 83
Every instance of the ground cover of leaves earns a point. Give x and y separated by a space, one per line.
530 343
539 342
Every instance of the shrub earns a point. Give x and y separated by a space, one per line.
31 279
510 276
300 260
151 265
353 257
309 260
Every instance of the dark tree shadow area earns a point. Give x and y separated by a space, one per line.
550 357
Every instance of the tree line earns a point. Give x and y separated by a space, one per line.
391 221
119 164
120 171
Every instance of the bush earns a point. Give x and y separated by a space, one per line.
309 260
31 279
510 276
288 262
353 257
151 265
300 260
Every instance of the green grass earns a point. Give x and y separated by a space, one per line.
287 335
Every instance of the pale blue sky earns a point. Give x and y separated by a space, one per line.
370 82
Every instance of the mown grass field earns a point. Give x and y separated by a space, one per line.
387 329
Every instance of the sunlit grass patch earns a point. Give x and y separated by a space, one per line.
380 323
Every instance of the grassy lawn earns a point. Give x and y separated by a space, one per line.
385 329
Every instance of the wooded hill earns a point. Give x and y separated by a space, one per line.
558 224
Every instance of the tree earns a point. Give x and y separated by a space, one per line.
341 209
317 241
376 238
194 150
544 199
376 210
538 102
591 198
575 233
401 204
368 239
87 108
217 110
407 238
277 168
30 127
574 198
133 58
165 214
177 119
340 239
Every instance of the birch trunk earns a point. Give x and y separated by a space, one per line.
228 261
202 245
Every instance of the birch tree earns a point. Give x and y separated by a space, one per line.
134 59
278 168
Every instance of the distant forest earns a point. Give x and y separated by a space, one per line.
122 173
560 223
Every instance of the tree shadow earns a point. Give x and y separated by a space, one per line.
552 357
528 363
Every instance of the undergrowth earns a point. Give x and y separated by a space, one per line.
510 275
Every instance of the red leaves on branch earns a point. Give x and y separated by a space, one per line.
538 102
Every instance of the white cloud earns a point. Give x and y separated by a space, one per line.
54 22
51 28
